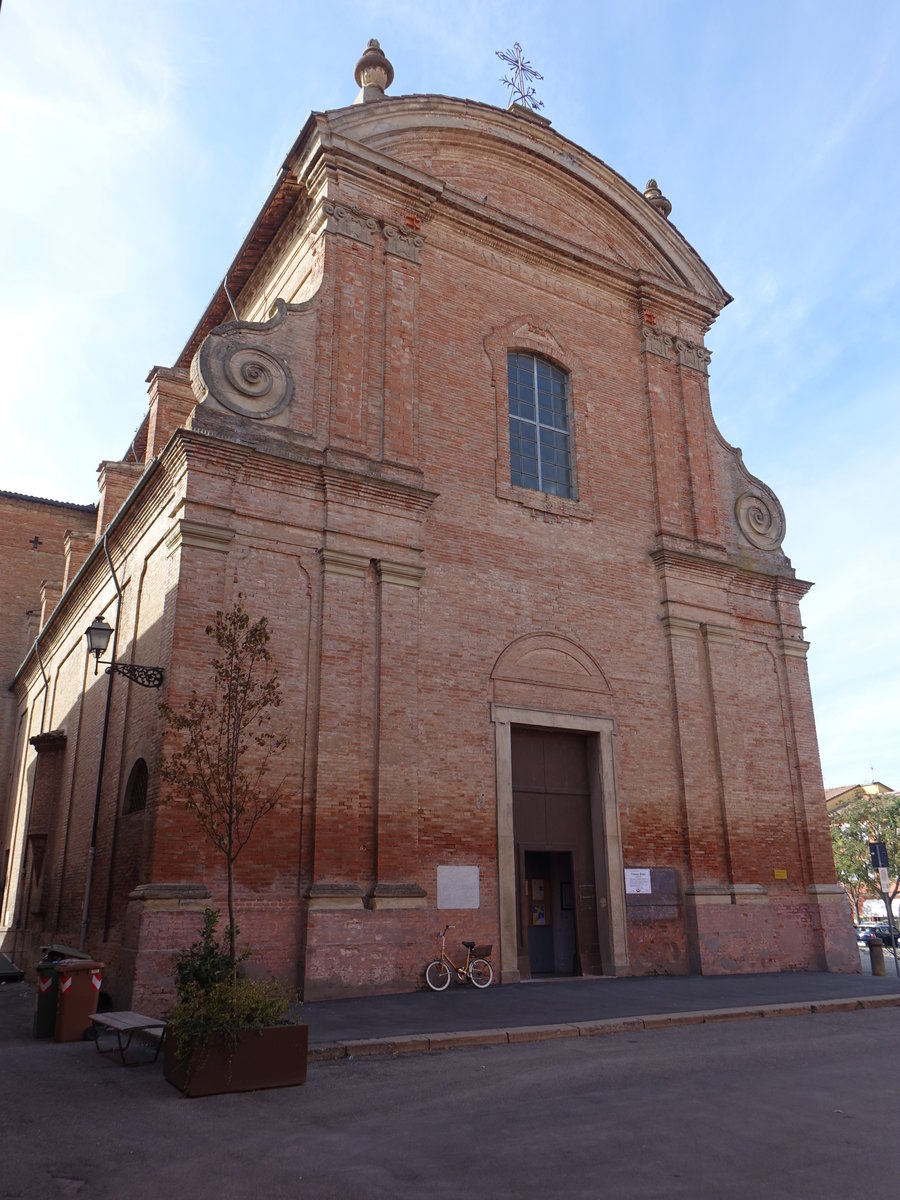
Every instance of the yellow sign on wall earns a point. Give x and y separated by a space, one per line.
780 873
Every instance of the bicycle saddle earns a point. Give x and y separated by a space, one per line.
469 945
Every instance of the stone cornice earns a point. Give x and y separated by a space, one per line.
350 488
53 740
481 225
695 564
718 566
496 132
795 589
125 528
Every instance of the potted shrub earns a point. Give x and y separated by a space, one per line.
228 1032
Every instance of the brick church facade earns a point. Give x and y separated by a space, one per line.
542 657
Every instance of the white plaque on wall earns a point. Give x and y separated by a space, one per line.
457 887
637 881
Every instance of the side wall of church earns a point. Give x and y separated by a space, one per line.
33 551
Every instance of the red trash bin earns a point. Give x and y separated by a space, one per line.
80 981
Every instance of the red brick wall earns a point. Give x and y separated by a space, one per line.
32 534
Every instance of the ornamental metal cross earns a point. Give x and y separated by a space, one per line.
521 90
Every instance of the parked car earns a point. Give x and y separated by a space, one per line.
881 932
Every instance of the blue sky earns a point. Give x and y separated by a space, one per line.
138 141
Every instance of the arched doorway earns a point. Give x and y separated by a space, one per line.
561 883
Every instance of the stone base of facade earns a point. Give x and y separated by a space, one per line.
744 930
382 945
377 950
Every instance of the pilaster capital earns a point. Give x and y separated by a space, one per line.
792 647
403 242
334 562
719 635
350 222
399 573
200 535
695 357
655 341
680 627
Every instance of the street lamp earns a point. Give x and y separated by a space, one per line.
98 634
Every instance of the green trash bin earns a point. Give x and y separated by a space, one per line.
46 999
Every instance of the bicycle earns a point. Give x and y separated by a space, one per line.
477 968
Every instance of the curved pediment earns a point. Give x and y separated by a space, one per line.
506 163
551 660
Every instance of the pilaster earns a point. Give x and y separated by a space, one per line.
668 447
398 734
337 849
692 371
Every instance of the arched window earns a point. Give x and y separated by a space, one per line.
136 788
540 454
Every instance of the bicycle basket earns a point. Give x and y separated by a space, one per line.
482 951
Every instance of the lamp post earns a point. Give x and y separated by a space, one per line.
98 634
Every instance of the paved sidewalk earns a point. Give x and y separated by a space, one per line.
464 1016
528 1012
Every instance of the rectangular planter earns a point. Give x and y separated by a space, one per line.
262 1058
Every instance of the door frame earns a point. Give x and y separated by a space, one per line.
605 832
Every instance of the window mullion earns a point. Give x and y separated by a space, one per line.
537 421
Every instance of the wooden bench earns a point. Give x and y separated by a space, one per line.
125 1025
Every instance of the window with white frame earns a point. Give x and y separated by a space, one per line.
540 454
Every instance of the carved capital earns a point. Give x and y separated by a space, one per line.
695 357
350 222
403 242
655 341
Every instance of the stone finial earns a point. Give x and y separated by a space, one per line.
373 73
655 197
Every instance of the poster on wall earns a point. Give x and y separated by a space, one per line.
637 881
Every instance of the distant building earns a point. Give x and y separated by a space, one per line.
837 798
542 654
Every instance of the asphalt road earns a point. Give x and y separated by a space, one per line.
782 1107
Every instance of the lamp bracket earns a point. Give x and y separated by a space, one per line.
151 677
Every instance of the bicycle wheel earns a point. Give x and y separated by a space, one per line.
481 972
437 975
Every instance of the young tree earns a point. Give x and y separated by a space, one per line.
227 743
867 818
